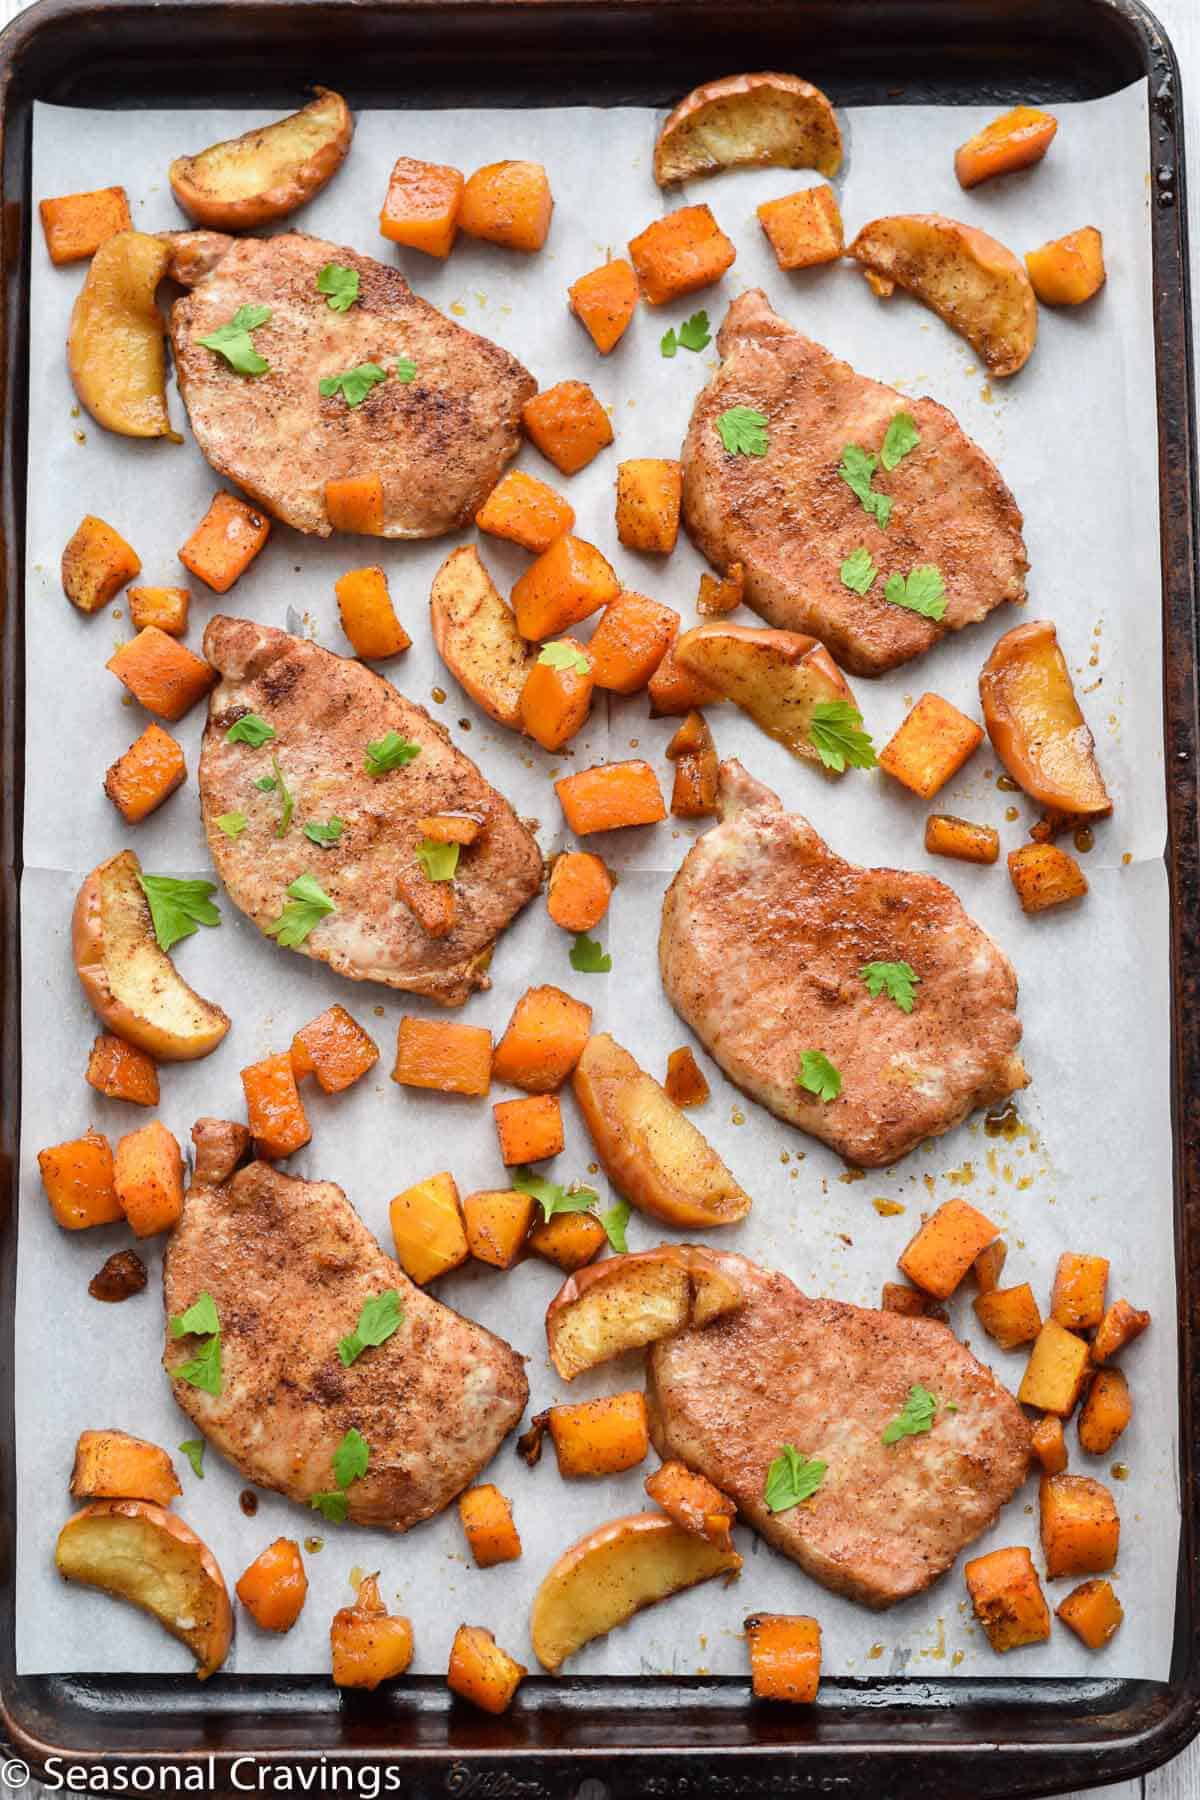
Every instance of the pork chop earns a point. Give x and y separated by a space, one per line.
439 441
289 1265
790 519
827 1378
765 933
323 711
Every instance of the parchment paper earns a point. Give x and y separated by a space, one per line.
1074 434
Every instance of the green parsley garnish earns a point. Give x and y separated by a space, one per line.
836 734
232 340
353 384
551 1197
560 655
350 1461
200 1319
856 469
391 751
917 1416
265 784
743 431
439 861
668 343
339 285
901 437
378 1319
898 980
792 1478
177 907
252 730
204 1369
232 824
614 1222
333 1508
325 835
858 572
307 905
694 333
587 956
193 1449
818 1076
287 799
923 592
404 369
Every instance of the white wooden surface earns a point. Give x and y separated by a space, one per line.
1179 1780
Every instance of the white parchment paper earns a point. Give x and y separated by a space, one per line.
1075 436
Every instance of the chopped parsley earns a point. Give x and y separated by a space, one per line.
560 655
792 1478
743 431
177 907
265 784
668 343
250 729
204 1369
551 1197
324 835
923 591
588 958
200 1320
917 1415
339 285
333 1507
350 1461
439 861
307 905
232 340
615 1221
836 734
193 1449
901 437
287 800
378 1319
232 824
898 980
858 572
818 1076
857 468
694 333
354 384
391 751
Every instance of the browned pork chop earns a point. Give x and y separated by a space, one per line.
324 710
791 521
828 1378
439 441
764 933
289 1265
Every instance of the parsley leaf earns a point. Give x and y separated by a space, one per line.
404 369
204 1369
177 907
836 734
439 861
856 469
898 980
250 729
332 1507
614 1222
551 1197
858 572
339 285
694 333
354 384
559 655
901 437
924 591
193 1449
916 1417
587 956
232 340
350 1459
325 835
669 343
308 905
287 798
391 751
378 1318
200 1319
265 784
818 1076
792 1478
232 824
743 431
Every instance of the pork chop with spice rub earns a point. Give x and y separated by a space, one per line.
437 429
791 520
885 1518
300 804
766 937
289 1266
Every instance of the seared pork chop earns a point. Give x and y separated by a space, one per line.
790 519
828 1378
324 710
765 932
439 441
289 1265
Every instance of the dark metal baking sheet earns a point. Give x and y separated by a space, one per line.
605 1739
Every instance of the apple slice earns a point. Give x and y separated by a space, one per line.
764 120
1036 727
627 1302
475 630
778 677
266 173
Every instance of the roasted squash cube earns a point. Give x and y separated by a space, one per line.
544 1040
274 1110
942 1251
1092 1611
604 302
649 496
1068 270
225 542
785 1656
444 1055
1008 1598
96 564
368 616
78 1179
1078 1298
1081 1531
530 1130
566 584
1056 1371
1119 1326
633 636
428 1230
931 745
526 511
335 1048
421 206
488 1522
677 254
1009 1315
508 203
1106 1411
1049 1442
148 773
567 424
805 228
497 1223
75 225
1045 875
166 607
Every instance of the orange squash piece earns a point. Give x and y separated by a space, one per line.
1077 1301
78 1179
1008 1598
1045 876
529 1130
488 1522
544 1040
600 1437
368 616
649 496
274 1110
1068 270
785 1656
693 1502
96 564
526 511
422 205
497 1222
481 1672
1081 1531
427 1228
604 302
804 229
685 1083
630 641
226 541
354 503
944 1248
146 775
579 890
444 1055
1119 1326
694 789
569 1240
676 255
451 828
1009 1315
567 424
1015 140
719 596
989 1266
566 584
431 903
148 1178
112 1465
163 675
691 738
947 836
1056 1371
166 607
367 1643
910 1302
1049 1442
610 797
123 1072
931 745
555 702
274 1588
335 1048
1105 1413
1092 1611
508 203
674 689
75 225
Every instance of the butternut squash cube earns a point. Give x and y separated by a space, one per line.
1068 270
75 225
578 892
600 1437
567 424
568 1240
163 675
1092 1611
633 636
931 745
443 1055
497 1224
1119 1326
508 203
1045 875
680 253
148 1178
543 1041
166 607
785 1657
947 836
428 1230
556 699
804 229
488 1522
1078 1298
944 1248
121 1071
1049 1442
1081 1531
355 504
78 1179
422 205
610 797
649 496
526 511
1015 140
148 773
1008 1598
481 1672
368 616
96 564
274 1110
1009 1315
565 585
530 1130
1056 1371
335 1048
604 302
225 542
1106 1411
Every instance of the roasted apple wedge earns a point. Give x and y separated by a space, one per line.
475 630
766 120
972 282
1036 727
650 1150
267 173
611 1574
778 677
144 1554
626 1302
115 346
130 983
